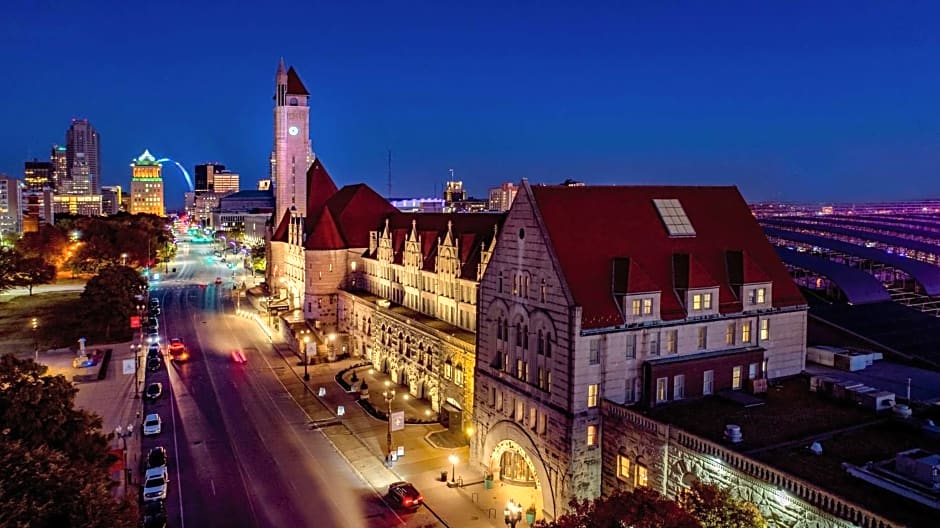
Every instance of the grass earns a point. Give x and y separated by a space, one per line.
62 319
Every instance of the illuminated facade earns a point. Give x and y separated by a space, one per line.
60 167
83 157
11 206
293 151
38 175
77 204
146 185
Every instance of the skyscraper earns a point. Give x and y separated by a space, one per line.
60 168
111 197
205 176
293 152
11 208
226 182
38 175
83 156
146 185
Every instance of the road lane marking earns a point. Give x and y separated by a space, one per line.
212 483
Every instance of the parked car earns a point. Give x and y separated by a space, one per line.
154 391
154 364
153 335
155 485
155 514
152 424
154 311
153 351
405 495
156 458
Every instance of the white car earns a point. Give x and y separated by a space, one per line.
155 484
152 424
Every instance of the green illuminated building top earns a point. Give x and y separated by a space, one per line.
146 159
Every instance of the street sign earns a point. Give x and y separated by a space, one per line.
398 420
128 367
135 321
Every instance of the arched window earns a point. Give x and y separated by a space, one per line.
458 375
540 345
293 101
518 334
448 369
499 328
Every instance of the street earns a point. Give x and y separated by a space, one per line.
241 450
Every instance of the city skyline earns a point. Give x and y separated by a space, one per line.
791 103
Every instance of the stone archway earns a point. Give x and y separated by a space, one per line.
508 437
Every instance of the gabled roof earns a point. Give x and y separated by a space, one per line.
320 187
590 226
357 210
325 234
294 85
280 234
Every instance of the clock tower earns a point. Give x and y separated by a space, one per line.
293 152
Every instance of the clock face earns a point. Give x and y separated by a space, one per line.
293 131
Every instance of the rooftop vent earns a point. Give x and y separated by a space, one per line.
733 434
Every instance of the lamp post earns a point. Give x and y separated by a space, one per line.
35 325
136 349
512 514
306 360
453 467
124 259
389 395
124 435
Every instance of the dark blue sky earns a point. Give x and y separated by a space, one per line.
789 101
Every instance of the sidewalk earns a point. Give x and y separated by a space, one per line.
361 440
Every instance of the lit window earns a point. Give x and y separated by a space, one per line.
708 382
647 306
520 410
661 390
752 371
592 435
543 423
761 295
623 467
642 478
448 369
458 375
671 338
635 306
706 301
592 395
678 387
702 337
697 302
736 381
729 334
764 329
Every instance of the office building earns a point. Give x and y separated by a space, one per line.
146 185
11 207
39 210
226 182
83 158
111 200
205 176
60 168
77 204
501 197
38 175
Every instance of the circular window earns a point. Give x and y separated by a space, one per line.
521 233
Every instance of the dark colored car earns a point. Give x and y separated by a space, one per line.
156 457
154 391
405 495
155 514
154 311
154 364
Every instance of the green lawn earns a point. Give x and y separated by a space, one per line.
61 318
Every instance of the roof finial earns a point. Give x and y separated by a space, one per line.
280 66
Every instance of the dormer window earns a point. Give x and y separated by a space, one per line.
701 301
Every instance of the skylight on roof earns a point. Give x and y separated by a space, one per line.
674 217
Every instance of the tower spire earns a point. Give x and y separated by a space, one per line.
281 68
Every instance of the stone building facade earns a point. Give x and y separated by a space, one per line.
653 294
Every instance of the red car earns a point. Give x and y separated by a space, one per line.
177 350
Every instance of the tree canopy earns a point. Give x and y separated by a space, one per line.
53 457
715 507
111 298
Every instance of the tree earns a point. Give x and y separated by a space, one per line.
30 271
7 268
643 508
50 243
53 457
111 297
715 507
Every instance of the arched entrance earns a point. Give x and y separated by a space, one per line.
511 457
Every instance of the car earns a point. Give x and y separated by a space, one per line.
152 424
153 335
154 311
177 350
154 391
154 364
218 280
239 357
405 495
156 458
153 322
155 514
155 484
154 302
153 350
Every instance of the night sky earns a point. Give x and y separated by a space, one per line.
789 101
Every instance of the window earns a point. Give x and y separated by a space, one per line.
592 435
520 410
697 302
499 401
492 396
631 346
752 371
746 332
541 380
761 295
642 478
678 387
623 467
629 395
706 301
543 423
708 382
729 334
518 334
595 356
521 368
647 306
654 343
525 337
661 386
499 326
592 395
635 304
702 337
540 344
548 381
548 345
671 338
752 297
674 217
532 417
764 329
736 378
458 375
448 369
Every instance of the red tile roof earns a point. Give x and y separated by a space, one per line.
294 85
358 210
280 234
325 234
590 226
320 187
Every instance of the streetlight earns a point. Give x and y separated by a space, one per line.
332 354
389 395
453 467
124 259
306 342
35 325
124 435
136 349
512 514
